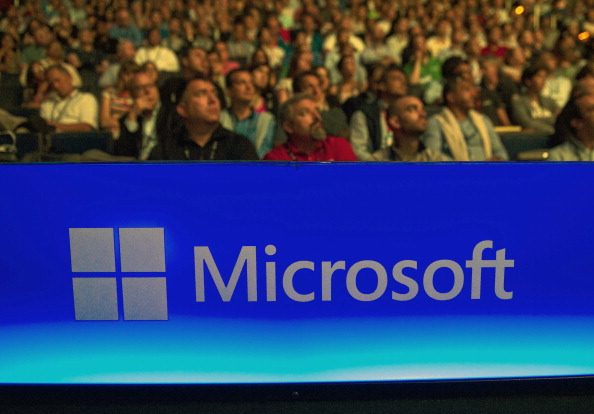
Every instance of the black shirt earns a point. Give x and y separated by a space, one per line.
224 145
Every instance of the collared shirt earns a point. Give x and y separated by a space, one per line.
76 108
329 149
223 145
149 132
248 127
571 150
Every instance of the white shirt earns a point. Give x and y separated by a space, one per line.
163 57
76 108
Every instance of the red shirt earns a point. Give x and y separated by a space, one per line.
497 51
330 149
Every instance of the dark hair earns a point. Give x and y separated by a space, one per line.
185 51
128 66
448 69
531 72
297 80
587 70
390 68
229 77
342 60
449 86
59 68
183 87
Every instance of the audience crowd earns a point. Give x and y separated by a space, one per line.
319 80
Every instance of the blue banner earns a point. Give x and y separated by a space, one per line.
276 273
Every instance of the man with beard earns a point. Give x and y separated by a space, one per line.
579 120
307 139
461 132
407 119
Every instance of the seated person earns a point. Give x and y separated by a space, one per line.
369 130
532 110
67 109
140 129
258 127
163 57
491 102
333 117
580 115
308 140
461 132
201 135
407 120
117 100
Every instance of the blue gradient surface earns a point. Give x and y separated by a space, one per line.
320 212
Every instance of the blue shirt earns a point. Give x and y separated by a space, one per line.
248 127
130 33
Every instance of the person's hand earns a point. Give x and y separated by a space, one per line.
143 104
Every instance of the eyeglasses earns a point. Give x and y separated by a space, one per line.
145 87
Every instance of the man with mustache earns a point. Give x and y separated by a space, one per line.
308 140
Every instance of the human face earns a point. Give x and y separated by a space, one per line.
42 36
463 95
309 25
200 103
348 66
261 77
8 42
306 123
126 50
490 73
537 82
410 116
123 18
60 82
585 124
265 37
152 71
221 48
197 61
242 87
144 87
395 83
154 37
55 51
464 71
214 63
323 78
86 37
311 85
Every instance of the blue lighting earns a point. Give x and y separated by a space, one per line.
531 317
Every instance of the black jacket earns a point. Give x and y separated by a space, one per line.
223 145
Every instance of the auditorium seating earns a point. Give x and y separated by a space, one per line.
523 146
78 142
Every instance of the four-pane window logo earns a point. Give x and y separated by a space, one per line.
97 291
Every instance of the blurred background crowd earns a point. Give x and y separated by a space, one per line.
523 57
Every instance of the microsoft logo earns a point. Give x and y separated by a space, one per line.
141 250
